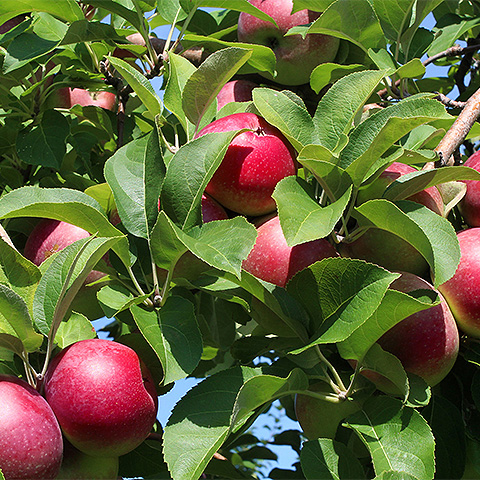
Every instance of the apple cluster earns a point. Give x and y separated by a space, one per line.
98 401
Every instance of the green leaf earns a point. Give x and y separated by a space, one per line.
173 333
135 174
395 475
204 84
326 459
179 71
188 173
123 8
288 115
11 343
338 107
15 319
50 303
237 5
68 10
89 31
66 205
76 328
45 144
398 437
394 307
117 298
327 73
432 235
413 69
340 294
301 217
141 86
352 21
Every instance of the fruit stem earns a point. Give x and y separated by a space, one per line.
336 376
147 301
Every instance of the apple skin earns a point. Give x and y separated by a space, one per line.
235 91
103 397
461 291
272 260
77 465
296 57
320 418
470 204
158 45
255 161
430 197
426 342
49 236
31 444
212 210
68 97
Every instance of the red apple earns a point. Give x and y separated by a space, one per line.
461 291
31 444
235 91
49 236
103 397
77 465
470 205
254 163
296 56
272 260
212 210
426 342
68 97
158 45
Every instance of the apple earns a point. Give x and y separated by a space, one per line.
461 291
255 161
426 342
272 260
158 45
49 236
103 397
77 465
211 209
296 56
31 444
235 91
470 204
321 418
68 97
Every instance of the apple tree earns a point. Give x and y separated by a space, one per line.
266 199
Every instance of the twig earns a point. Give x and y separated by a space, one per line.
454 51
448 102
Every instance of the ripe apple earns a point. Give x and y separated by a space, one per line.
320 418
426 342
212 210
49 236
296 56
77 465
31 444
470 205
461 291
68 97
272 260
103 397
235 91
255 161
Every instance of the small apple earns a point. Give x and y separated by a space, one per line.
272 260
296 56
255 161
31 444
49 236
158 45
68 97
470 204
461 291
77 465
426 342
103 397
235 91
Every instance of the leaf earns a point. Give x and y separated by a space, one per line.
395 475
327 73
68 10
76 328
11 343
140 85
432 235
340 294
188 173
50 302
173 334
66 205
135 174
89 31
326 459
123 9
394 307
301 217
290 117
339 106
45 144
15 319
204 84
398 437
